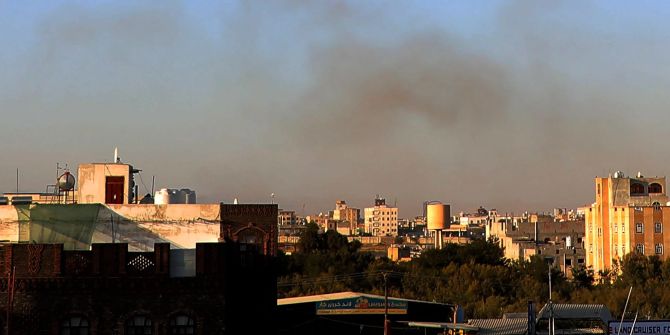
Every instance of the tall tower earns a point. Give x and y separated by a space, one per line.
438 217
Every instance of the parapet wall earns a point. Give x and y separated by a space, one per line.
79 226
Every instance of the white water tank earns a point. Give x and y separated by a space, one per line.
162 197
437 216
174 196
568 242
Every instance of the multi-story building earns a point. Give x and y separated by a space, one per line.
381 220
285 218
558 241
630 214
344 213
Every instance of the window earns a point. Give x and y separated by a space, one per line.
616 250
640 248
616 228
658 228
139 325
639 228
636 188
182 324
655 188
658 248
600 231
74 325
623 228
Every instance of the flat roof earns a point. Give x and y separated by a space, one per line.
441 325
343 295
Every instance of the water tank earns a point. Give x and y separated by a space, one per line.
568 242
66 181
437 216
188 196
162 197
174 196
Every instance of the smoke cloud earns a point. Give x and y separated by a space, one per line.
322 101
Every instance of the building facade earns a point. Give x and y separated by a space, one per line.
109 290
285 218
381 220
347 214
630 214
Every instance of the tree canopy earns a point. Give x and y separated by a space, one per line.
475 276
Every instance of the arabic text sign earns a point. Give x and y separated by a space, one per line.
360 305
646 327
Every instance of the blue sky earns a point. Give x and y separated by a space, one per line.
508 104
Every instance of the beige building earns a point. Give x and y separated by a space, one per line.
381 220
105 183
344 213
286 218
629 215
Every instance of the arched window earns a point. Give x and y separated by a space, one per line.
74 325
655 188
182 324
139 325
636 188
656 205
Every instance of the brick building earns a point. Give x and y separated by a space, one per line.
109 290
216 288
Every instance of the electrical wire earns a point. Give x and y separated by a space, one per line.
142 181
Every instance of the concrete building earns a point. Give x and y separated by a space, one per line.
381 220
558 242
285 218
105 183
630 214
344 213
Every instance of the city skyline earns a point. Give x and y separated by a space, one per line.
513 105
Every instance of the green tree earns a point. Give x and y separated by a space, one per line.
582 277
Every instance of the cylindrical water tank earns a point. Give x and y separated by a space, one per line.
162 197
174 196
568 241
437 216
66 181
189 196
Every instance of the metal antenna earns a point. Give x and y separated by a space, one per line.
624 310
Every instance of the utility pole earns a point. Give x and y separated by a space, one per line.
386 304
551 308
